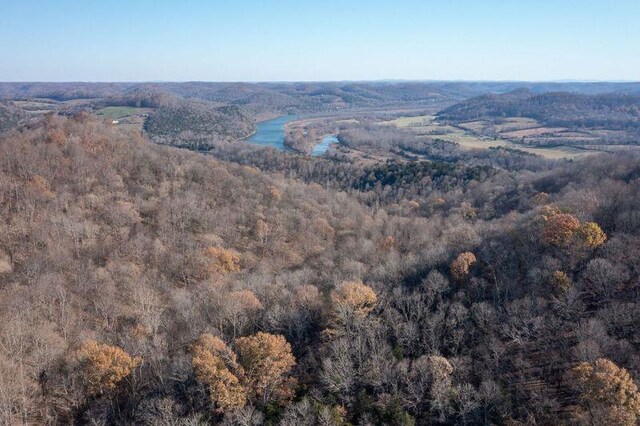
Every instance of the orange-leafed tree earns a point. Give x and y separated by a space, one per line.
608 394
105 366
222 260
216 366
267 362
559 229
244 299
354 296
461 264
274 193
592 235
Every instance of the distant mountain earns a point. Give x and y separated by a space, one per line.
193 114
612 111
306 96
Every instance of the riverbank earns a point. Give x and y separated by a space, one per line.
273 133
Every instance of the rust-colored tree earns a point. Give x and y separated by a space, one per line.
216 366
460 266
274 193
223 260
354 296
267 361
559 229
608 394
104 366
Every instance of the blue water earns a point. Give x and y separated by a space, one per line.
323 146
271 133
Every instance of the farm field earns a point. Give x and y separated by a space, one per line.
37 107
403 122
469 141
128 118
118 112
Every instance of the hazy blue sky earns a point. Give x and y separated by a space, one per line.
252 40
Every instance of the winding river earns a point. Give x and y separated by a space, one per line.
271 133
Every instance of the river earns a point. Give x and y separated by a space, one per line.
323 146
271 133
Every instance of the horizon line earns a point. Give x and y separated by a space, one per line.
385 80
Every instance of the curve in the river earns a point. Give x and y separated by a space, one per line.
271 133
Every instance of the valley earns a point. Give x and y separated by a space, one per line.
361 244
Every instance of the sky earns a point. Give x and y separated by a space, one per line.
304 40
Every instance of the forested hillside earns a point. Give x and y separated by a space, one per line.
143 284
606 111
10 116
198 125
198 115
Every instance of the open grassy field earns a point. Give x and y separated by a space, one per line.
348 121
117 112
37 107
516 123
417 121
513 127
472 142
536 131
129 118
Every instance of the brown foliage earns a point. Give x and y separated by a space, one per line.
223 260
461 264
608 394
57 136
354 295
215 365
267 361
467 211
559 229
307 296
440 367
245 300
105 366
274 193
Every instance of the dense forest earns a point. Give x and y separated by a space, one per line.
10 115
198 125
611 111
144 284
292 94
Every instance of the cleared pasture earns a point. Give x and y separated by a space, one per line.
416 121
117 112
